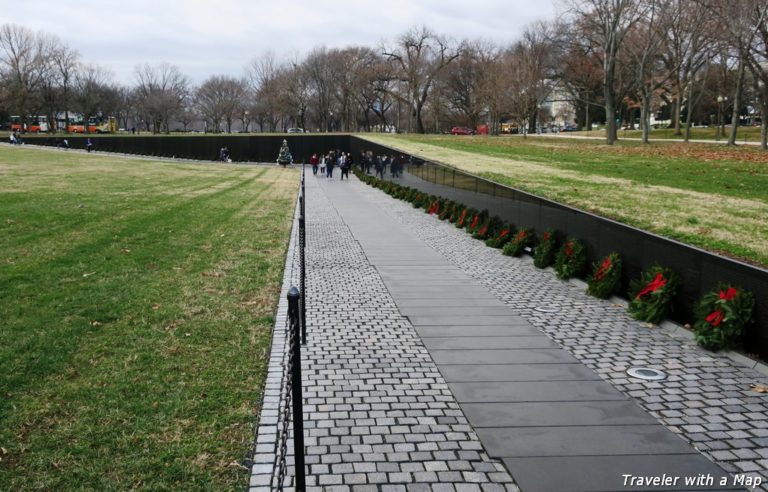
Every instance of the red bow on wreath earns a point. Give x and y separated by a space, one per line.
657 283
568 249
728 295
715 318
603 268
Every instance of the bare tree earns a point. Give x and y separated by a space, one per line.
464 81
22 67
263 74
160 92
419 56
579 70
92 92
321 79
66 62
610 21
645 42
688 35
758 66
741 20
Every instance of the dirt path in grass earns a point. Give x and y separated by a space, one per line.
735 226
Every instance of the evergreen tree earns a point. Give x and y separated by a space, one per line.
285 154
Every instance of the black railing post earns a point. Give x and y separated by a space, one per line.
294 297
302 258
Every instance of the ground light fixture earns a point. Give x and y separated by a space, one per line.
547 308
646 373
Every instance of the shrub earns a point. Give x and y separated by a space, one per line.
605 277
722 316
651 295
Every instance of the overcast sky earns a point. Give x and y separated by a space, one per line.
207 37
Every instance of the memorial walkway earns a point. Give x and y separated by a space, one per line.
432 364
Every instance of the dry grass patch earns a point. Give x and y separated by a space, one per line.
718 204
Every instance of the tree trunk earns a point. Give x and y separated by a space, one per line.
764 131
645 117
678 111
419 122
690 110
737 102
610 119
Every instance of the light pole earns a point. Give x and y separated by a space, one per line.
720 129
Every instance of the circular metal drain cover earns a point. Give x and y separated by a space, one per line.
547 309
646 373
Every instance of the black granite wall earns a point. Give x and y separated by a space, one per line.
699 270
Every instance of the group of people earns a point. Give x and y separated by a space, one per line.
224 155
380 163
15 138
326 163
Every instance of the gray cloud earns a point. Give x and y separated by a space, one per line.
204 38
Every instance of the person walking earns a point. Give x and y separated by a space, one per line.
89 145
322 165
346 164
329 165
314 161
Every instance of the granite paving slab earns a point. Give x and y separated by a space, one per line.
599 473
517 372
461 343
535 391
567 413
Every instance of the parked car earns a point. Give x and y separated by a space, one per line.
295 130
570 128
461 130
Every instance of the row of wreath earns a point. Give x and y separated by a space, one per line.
721 316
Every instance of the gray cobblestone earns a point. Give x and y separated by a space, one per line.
378 412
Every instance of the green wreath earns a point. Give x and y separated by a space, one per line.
465 217
571 260
650 296
477 220
488 228
524 237
605 277
499 239
447 210
544 254
722 316
436 206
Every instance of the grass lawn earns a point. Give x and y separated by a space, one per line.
710 196
136 305
745 134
